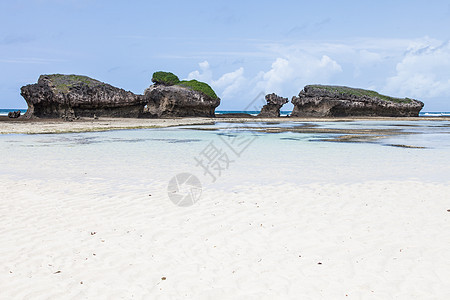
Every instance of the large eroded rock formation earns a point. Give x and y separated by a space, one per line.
69 96
338 101
169 97
273 106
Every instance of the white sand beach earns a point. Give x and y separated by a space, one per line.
383 240
87 216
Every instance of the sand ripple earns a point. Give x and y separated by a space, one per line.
380 240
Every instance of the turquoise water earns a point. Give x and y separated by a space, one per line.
4 112
285 113
247 156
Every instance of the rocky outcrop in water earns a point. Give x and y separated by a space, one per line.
170 97
72 96
273 106
339 101
235 115
14 114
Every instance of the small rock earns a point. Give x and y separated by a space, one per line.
163 278
273 106
14 114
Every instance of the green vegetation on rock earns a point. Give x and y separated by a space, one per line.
343 90
63 83
166 78
199 87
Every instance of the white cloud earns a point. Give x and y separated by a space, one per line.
230 83
328 65
289 75
204 75
423 72
366 57
276 77
417 68
286 77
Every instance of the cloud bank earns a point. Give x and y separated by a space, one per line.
423 72
285 77
417 68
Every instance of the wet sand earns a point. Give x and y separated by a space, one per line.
38 126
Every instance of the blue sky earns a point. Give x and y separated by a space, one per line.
241 48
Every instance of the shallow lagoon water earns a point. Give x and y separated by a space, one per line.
146 156
358 218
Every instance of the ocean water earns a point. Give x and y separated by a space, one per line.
229 156
285 113
5 111
434 114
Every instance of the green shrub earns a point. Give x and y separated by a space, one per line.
168 78
199 87
343 90
165 78
63 83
